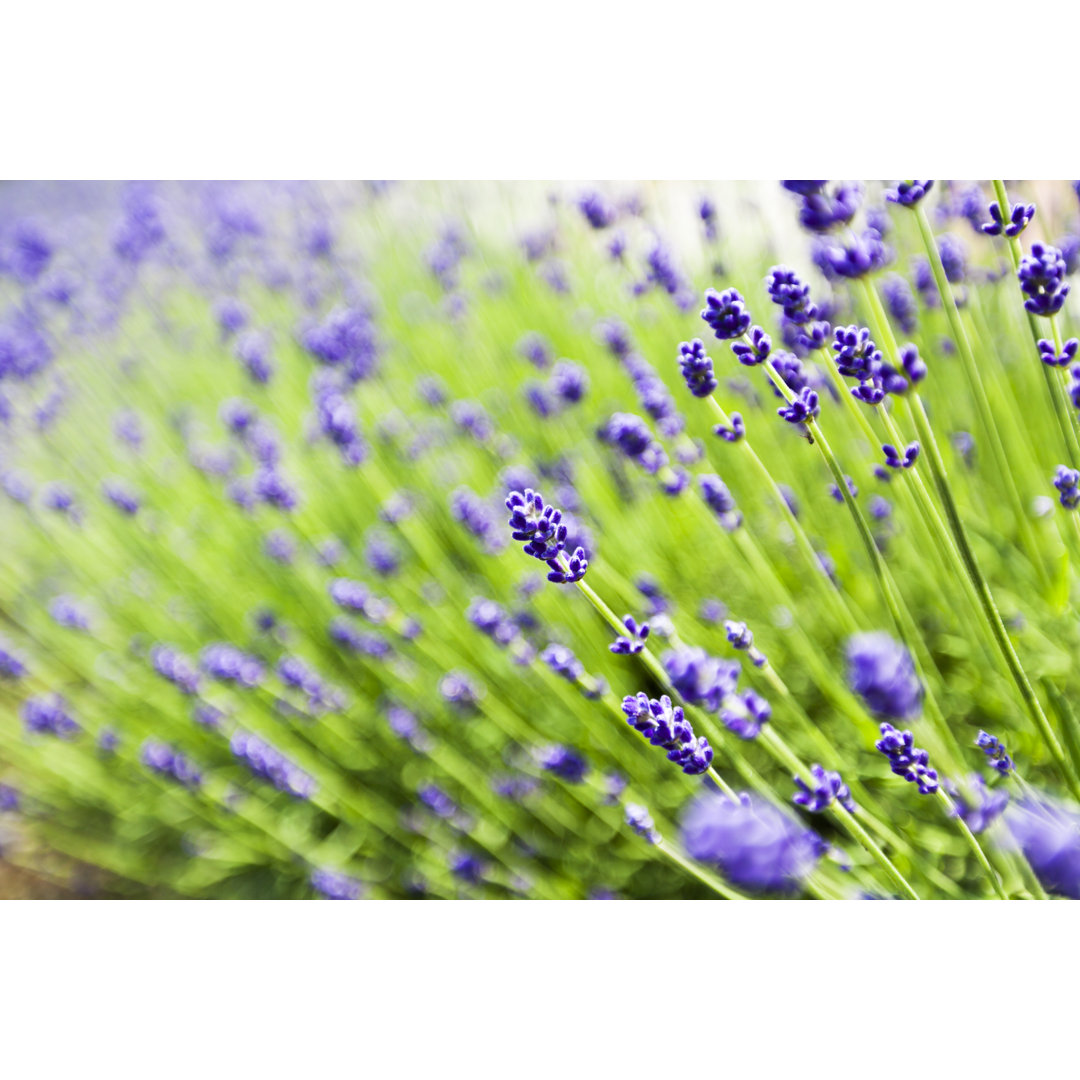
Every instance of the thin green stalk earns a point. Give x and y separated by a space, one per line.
902 620
986 598
973 843
978 390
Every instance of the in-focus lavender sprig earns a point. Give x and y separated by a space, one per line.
996 754
665 725
826 788
906 759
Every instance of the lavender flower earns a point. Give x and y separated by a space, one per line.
1042 280
666 726
821 211
270 764
1049 355
897 460
719 500
803 408
697 368
460 691
861 255
701 679
881 672
756 845
166 761
788 290
745 714
640 820
563 762
227 663
633 641
569 382
953 259
171 664
1048 833
995 752
980 806
754 352
906 759
598 212
1012 223
828 787
67 612
900 301
336 886
1067 481
735 432
631 436
12 665
741 637
47 714
908 192
726 314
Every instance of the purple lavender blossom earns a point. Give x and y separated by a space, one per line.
825 789
906 759
640 821
563 762
167 761
47 714
755 845
334 885
881 672
665 725
270 764
1048 833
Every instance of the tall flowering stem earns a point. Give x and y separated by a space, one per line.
978 390
835 597
979 583
1066 416
902 619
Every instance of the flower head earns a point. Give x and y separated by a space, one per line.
1067 481
563 762
1048 833
1012 223
1042 279
906 759
665 725
640 820
697 368
788 290
633 641
755 845
825 788
881 672
995 752
908 192
47 714
726 313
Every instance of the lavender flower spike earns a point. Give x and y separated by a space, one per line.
726 313
633 641
539 525
906 759
827 788
665 725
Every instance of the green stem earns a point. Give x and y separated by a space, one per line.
974 844
978 390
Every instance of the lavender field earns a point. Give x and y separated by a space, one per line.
542 541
